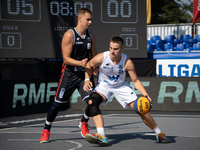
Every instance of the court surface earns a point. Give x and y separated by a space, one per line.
124 129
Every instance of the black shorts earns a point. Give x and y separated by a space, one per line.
68 83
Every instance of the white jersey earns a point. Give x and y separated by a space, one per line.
111 74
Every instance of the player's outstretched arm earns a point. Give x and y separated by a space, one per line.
129 66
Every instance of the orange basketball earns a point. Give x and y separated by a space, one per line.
142 105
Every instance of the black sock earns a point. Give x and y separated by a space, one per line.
83 119
46 126
87 113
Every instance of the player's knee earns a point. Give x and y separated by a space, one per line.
94 101
56 105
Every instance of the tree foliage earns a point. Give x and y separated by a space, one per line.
171 12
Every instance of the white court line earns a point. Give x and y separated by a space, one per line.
25 140
42 124
158 116
195 117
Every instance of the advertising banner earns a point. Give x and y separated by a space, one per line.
178 68
23 97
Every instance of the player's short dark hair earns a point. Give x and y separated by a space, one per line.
84 10
118 40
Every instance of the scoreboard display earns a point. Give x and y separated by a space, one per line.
34 28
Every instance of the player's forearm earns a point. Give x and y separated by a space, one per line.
88 71
72 62
139 86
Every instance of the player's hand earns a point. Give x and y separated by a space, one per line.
147 96
96 71
84 62
87 86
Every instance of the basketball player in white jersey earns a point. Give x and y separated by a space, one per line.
113 65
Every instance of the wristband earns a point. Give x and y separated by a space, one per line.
87 79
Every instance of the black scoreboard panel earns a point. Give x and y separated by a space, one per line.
34 28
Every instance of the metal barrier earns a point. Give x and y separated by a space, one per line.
197 28
171 29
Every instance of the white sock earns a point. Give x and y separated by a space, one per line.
48 123
157 130
101 131
86 117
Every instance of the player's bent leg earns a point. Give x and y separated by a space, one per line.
94 101
52 113
83 123
149 121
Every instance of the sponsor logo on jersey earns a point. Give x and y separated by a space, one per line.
121 71
88 45
79 42
114 78
107 67
120 67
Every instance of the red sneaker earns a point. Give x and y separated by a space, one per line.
45 136
84 128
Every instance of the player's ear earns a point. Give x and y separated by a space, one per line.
79 18
122 48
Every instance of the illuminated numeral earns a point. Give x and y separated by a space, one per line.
79 5
15 11
27 6
109 8
130 41
64 8
116 8
10 40
54 6
20 10
122 8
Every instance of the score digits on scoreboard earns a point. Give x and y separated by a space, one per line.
124 11
20 10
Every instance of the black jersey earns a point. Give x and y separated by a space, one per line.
81 48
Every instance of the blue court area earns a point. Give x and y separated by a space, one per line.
124 129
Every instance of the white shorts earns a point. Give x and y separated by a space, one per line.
123 93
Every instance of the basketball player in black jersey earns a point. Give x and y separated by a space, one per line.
78 45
